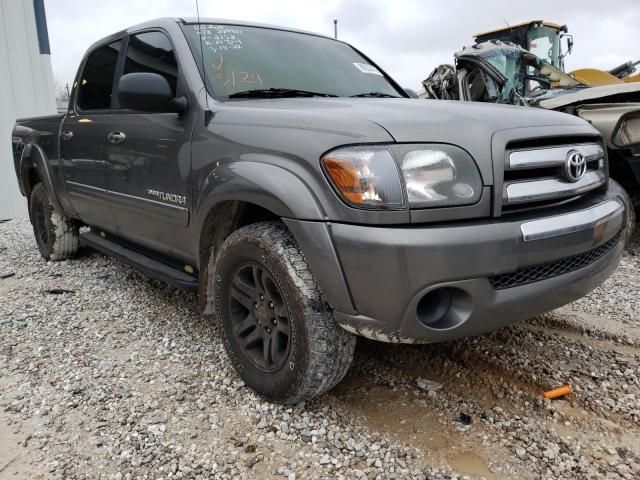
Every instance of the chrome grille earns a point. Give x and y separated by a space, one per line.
534 175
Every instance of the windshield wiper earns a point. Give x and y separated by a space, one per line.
278 92
376 95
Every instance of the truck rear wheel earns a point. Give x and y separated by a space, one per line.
278 332
56 235
632 228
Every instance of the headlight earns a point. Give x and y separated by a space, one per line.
435 175
438 175
365 177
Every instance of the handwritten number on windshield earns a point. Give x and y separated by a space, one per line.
233 78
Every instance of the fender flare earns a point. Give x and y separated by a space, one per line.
286 195
33 157
272 187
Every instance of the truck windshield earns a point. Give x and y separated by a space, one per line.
254 62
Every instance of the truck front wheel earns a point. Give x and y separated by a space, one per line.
278 332
56 235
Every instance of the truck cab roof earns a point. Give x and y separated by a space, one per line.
167 22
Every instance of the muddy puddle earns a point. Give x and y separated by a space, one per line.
418 421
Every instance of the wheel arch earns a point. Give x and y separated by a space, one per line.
625 172
270 186
34 169
31 179
220 220
244 192
314 239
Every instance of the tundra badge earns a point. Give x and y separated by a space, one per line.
168 197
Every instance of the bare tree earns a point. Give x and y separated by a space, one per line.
61 91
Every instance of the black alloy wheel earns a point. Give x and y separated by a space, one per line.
278 331
57 235
259 317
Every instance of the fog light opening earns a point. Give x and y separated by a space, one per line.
444 308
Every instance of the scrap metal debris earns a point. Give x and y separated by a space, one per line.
441 82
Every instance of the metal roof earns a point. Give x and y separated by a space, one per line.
226 21
165 22
522 24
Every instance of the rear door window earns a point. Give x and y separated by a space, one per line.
152 52
96 83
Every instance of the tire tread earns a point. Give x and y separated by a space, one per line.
331 348
64 234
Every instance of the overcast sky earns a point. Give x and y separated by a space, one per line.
407 38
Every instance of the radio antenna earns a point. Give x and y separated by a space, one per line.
208 114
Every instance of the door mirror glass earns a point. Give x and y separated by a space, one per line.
148 92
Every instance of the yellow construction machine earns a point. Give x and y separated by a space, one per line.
552 42
499 69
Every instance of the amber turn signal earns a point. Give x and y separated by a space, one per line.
345 177
365 177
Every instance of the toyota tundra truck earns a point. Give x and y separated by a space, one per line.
308 199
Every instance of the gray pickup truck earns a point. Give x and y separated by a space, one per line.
307 199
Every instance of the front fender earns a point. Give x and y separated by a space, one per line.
271 187
290 198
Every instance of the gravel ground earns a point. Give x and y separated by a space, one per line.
105 373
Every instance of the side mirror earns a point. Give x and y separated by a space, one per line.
412 93
149 92
569 43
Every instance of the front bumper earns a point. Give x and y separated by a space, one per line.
435 283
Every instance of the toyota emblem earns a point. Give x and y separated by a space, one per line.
575 167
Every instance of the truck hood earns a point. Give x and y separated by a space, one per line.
406 120
617 93
470 125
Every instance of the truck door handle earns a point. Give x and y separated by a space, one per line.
116 137
66 135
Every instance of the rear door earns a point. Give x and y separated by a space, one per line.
83 137
149 156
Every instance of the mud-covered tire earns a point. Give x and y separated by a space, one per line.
632 226
632 234
56 235
319 351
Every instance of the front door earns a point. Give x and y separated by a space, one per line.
149 158
83 138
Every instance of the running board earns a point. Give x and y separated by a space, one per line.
151 267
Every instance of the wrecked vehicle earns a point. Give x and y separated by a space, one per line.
502 72
545 39
307 208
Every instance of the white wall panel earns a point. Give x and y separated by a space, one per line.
26 89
